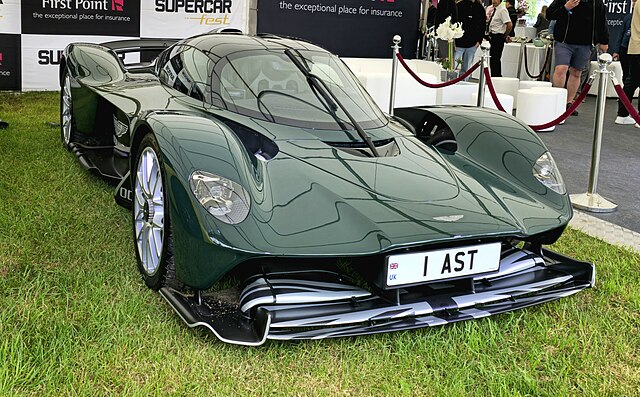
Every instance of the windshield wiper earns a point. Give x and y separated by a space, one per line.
330 99
326 100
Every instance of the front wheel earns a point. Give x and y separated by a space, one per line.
67 121
151 227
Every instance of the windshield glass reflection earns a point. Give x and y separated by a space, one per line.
268 85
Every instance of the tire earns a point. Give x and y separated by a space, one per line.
150 217
67 119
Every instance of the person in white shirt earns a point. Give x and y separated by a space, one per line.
499 26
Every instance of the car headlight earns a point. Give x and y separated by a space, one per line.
546 171
221 197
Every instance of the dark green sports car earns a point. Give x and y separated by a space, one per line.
271 198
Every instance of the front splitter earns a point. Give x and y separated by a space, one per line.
559 277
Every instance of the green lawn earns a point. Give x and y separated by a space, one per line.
76 319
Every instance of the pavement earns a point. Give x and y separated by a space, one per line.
618 178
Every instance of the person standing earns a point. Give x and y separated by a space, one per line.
471 15
499 26
579 25
513 15
431 15
631 65
542 22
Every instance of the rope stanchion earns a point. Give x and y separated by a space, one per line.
571 109
437 85
484 62
547 57
394 72
626 102
591 201
492 90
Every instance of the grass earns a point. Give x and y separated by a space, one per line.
76 319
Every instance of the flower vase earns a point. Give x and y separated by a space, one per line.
448 75
449 31
451 54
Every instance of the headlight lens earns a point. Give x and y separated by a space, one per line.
221 197
546 171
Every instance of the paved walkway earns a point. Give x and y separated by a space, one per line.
606 231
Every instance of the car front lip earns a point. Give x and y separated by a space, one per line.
347 310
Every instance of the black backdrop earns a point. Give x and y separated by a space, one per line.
349 28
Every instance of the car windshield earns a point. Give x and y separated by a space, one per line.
267 84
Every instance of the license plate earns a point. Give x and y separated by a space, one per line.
420 267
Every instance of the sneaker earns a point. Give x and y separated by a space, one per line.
637 125
575 112
625 120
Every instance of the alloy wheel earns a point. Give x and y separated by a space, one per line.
66 111
148 210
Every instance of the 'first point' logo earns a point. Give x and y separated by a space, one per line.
83 5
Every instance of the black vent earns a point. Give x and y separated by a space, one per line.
386 147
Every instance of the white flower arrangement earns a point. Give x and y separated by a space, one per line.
449 31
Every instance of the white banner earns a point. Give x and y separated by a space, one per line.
10 16
41 58
184 18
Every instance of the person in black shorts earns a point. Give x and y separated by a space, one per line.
579 25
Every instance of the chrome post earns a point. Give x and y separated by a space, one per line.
394 71
423 28
485 46
523 48
592 201
552 62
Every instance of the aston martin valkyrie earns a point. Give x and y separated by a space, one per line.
271 198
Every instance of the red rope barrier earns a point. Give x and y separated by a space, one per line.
559 119
439 85
627 103
494 95
567 113
492 90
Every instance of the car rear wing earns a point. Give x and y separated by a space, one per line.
144 51
136 45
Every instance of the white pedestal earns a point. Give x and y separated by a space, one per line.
505 100
537 107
